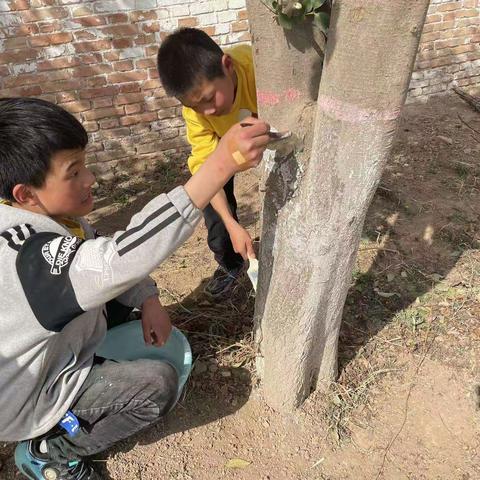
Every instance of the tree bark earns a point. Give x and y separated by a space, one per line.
306 259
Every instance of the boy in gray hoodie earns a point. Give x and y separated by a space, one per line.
57 279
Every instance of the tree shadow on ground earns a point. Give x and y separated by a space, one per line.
423 218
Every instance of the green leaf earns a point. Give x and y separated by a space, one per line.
237 463
322 20
285 21
313 4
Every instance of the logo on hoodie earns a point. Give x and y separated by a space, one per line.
57 252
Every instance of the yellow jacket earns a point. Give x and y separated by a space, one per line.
204 132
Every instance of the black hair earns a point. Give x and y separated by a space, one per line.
31 132
185 57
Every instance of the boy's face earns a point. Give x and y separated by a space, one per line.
213 97
67 190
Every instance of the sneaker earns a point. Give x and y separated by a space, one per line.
36 468
223 281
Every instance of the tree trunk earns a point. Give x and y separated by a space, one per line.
318 209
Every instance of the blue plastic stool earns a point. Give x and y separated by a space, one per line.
125 342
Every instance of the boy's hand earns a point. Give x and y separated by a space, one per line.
156 322
241 240
245 144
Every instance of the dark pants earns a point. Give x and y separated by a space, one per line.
218 237
117 400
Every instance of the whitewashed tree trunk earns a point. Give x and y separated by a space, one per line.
317 196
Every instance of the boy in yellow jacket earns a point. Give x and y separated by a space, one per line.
214 87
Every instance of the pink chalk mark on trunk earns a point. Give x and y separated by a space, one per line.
268 98
271 98
348 112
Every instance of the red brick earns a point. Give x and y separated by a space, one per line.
446 7
55 75
36 14
18 5
64 97
129 87
123 66
160 103
58 63
126 77
20 56
76 107
443 25
25 79
145 63
49 27
120 30
81 11
95 82
90 126
158 93
129 98
102 102
85 35
111 56
239 26
98 92
188 22
151 27
118 18
122 43
433 18
133 108
153 73
103 113
94 46
54 39
151 84
138 118
91 70
466 22
462 49
145 39
109 123
41 3
143 15
14 43
151 51
91 58
4 71
63 85
210 31
452 42
91 21
31 91
24 30
242 15
117 133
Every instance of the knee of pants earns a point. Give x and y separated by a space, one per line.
163 381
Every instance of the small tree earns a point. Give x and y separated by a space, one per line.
317 192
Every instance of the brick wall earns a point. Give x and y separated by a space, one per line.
97 59
449 52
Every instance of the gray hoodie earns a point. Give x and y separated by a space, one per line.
53 290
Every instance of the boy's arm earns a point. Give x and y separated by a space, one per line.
204 141
135 296
64 276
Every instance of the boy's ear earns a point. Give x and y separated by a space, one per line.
24 195
227 63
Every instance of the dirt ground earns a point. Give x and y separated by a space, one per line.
406 403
